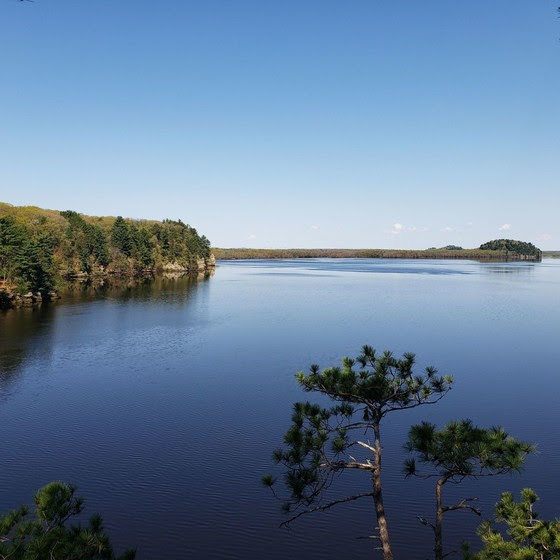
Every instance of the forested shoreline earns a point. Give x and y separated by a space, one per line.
41 248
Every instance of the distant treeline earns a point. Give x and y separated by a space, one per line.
449 252
39 246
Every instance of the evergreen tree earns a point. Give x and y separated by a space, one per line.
319 441
142 248
36 267
460 450
12 239
48 536
120 236
529 537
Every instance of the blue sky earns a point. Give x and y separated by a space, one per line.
308 123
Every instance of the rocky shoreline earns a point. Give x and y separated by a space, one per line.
10 296
29 299
202 265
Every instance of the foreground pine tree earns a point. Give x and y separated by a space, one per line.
325 441
529 537
460 450
48 536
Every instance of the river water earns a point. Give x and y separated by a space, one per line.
163 401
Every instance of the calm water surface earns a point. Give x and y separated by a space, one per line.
163 402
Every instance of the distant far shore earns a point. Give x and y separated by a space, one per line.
470 254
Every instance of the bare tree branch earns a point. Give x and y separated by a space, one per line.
370 447
327 506
424 521
463 505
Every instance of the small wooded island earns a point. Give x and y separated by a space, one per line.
41 248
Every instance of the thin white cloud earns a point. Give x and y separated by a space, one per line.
402 228
544 237
446 229
315 227
252 236
505 227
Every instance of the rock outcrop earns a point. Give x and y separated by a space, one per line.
9 298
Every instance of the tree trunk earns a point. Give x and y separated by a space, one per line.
438 529
378 497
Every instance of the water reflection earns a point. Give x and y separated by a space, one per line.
176 287
27 332
510 268
23 332
375 266
319 267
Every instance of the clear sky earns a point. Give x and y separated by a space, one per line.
289 123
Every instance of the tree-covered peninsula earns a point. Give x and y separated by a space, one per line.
40 248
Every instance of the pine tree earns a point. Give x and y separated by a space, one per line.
49 536
460 450
320 440
121 237
12 239
36 266
529 537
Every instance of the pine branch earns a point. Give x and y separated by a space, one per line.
417 403
463 505
424 521
326 506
